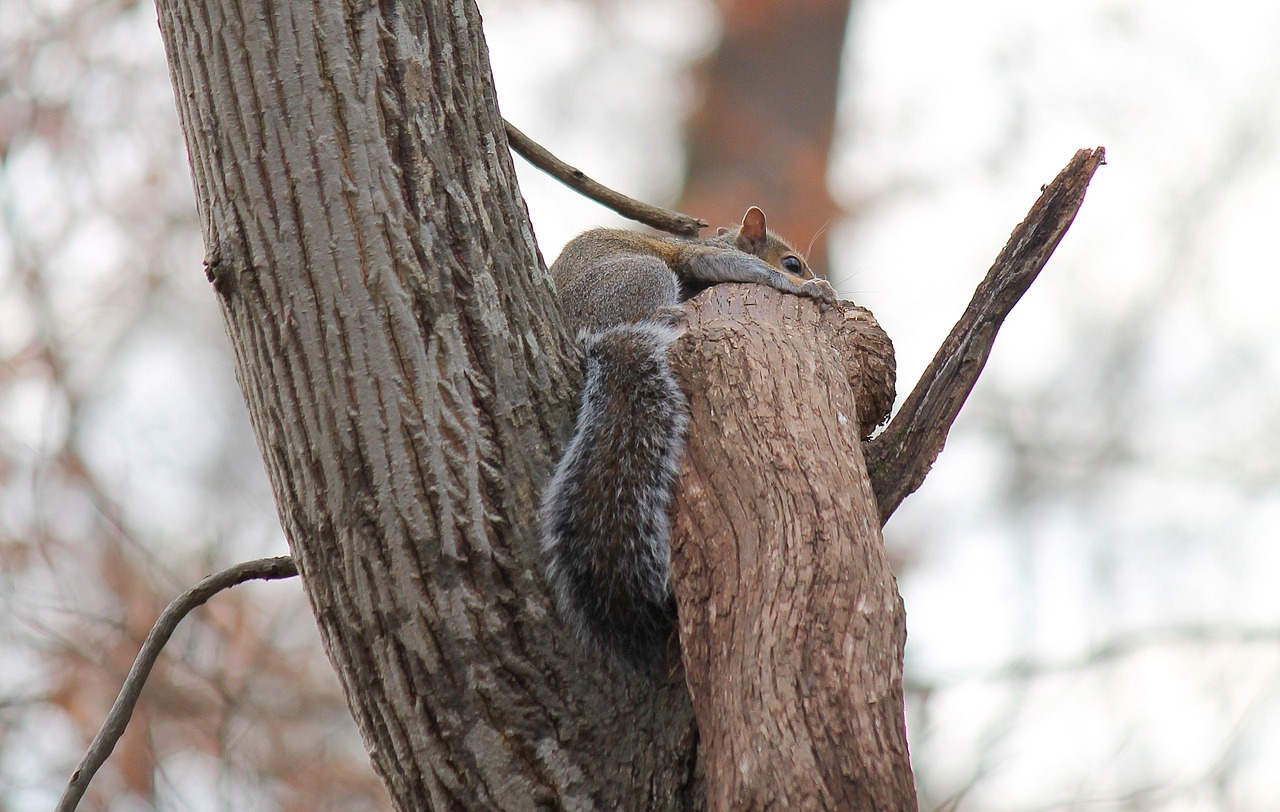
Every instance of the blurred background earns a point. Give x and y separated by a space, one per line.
1090 572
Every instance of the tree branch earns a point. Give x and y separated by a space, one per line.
117 720
901 456
673 222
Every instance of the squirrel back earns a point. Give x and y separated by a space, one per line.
606 512
609 276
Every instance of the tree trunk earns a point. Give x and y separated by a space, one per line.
790 621
410 382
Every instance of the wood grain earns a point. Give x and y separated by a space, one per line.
791 627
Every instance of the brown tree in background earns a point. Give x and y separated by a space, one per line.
762 127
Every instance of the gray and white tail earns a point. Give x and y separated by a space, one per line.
606 513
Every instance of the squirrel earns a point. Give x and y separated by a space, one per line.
605 519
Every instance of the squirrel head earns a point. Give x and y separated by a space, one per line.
753 237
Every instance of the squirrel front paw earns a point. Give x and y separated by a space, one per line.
819 289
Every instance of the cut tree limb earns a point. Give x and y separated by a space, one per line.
791 626
901 456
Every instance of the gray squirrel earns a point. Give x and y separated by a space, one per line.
606 512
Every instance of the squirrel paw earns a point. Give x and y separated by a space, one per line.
819 289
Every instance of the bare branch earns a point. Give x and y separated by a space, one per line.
266 569
673 222
901 456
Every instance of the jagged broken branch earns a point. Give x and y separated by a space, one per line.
900 457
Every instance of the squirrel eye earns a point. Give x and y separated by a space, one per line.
792 264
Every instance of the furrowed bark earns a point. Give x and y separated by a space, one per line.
409 382
791 626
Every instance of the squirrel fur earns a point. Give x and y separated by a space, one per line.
606 512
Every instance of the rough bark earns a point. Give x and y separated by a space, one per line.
790 621
409 382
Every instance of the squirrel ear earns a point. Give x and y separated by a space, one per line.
721 231
753 231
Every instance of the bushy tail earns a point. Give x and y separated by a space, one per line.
606 513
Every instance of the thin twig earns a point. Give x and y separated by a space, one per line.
900 457
266 569
673 222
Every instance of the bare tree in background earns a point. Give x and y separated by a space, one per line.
126 467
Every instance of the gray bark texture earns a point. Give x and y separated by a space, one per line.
410 383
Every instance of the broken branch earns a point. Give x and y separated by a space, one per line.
901 456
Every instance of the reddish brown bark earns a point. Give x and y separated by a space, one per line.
790 620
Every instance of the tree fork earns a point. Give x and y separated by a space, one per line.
409 382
